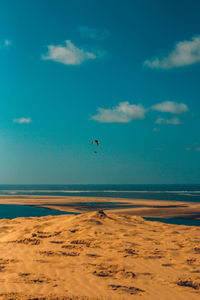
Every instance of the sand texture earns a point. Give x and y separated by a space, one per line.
98 256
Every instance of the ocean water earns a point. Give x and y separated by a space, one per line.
180 192
171 192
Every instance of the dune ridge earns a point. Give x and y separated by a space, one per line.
98 255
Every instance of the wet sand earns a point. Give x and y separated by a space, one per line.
138 207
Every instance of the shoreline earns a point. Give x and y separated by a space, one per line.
137 207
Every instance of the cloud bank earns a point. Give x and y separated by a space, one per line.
68 54
22 120
123 113
170 107
184 53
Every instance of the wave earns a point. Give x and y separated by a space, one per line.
186 192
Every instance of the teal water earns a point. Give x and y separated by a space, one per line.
176 221
171 192
11 211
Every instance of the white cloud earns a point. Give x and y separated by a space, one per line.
197 149
68 54
22 120
173 121
123 113
92 33
170 107
188 148
7 43
184 53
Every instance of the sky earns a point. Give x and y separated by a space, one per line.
123 72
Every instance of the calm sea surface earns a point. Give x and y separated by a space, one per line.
11 211
180 192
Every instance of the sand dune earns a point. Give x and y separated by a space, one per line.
98 256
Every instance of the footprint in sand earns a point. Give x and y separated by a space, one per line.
71 247
27 241
191 283
93 255
114 271
34 279
197 250
191 261
5 262
13 296
59 253
73 230
45 234
130 252
167 265
57 242
87 243
128 289
79 244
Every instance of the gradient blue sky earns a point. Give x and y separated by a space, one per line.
56 97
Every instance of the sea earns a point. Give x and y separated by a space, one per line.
170 192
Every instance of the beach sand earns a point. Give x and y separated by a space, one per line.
140 207
98 255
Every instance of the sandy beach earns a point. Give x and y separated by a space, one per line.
97 255
137 207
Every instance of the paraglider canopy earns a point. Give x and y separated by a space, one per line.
95 141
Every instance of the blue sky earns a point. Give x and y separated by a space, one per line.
123 72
